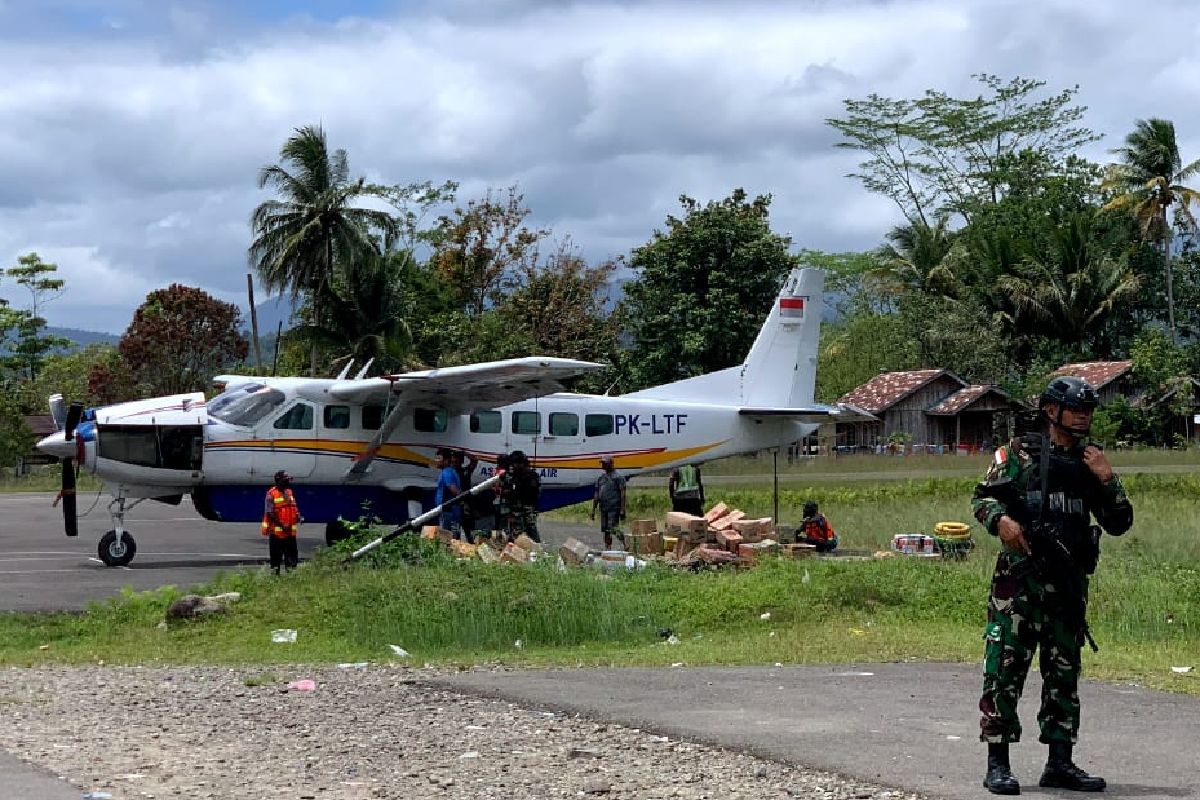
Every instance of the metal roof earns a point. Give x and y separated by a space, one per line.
1097 373
884 391
966 396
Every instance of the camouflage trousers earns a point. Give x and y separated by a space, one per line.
524 520
1025 614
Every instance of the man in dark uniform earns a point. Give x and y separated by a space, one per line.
1038 497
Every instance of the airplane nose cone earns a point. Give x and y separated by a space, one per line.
56 445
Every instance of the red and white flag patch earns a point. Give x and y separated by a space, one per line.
792 307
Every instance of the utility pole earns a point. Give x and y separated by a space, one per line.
258 365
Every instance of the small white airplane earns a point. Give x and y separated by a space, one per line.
347 441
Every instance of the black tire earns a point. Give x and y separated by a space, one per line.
116 554
335 532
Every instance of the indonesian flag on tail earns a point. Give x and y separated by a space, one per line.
792 307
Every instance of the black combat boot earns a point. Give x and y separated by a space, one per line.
1000 779
1061 772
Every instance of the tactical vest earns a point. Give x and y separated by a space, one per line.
1070 492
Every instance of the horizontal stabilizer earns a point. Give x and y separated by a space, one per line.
814 415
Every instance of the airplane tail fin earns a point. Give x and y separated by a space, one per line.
781 368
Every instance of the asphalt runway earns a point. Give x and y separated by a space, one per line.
914 727
41 569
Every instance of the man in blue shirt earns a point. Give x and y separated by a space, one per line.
448 487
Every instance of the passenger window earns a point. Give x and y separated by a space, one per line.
527 423
372 418
597 425
429 420
486 422
564 424
337 417
297 418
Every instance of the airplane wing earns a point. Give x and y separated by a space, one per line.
814 415
456 389
460 389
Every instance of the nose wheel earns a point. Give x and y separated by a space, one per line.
117 548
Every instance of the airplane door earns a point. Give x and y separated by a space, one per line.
524 432
292 437
563 437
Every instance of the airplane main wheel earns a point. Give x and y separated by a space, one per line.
335 532
116 553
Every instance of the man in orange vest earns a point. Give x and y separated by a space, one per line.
281 515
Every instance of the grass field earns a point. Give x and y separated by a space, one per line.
1145 609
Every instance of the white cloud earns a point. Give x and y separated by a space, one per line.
137 153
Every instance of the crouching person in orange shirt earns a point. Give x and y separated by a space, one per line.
281 515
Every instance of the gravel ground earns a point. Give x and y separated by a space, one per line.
373 732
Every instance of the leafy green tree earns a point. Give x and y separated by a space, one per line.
179 338
702 289
71 375
560 309
31 346
939 153
309 238
16 440
1072 291
860 346
479 249
1148 179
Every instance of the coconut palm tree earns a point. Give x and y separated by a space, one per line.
364 316
915 258
1076 290
313 232
1149 179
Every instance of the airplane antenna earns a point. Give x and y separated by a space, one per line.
539 434
345 370
363 372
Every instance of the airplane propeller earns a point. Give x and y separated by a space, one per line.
67 493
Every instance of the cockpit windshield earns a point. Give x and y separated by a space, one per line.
246 404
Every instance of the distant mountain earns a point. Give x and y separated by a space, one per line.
270 313
83 338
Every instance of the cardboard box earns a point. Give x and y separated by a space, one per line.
644 543
644 526
726 522
514 555
528 545
685 545
686 523
716 512
729 540
429 532
713 555
462 549
574 551
755 530
799 550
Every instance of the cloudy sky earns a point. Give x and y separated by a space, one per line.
131 130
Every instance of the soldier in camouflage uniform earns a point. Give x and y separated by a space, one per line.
526 492
1038 497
